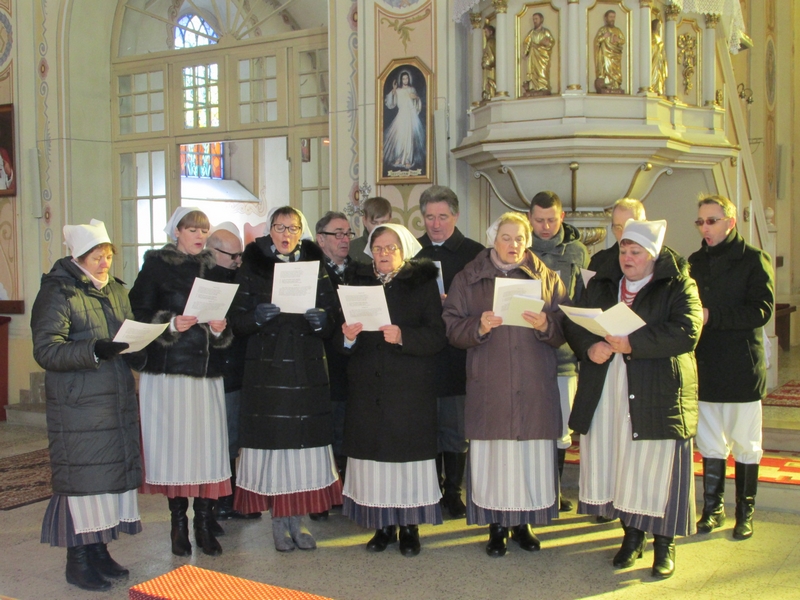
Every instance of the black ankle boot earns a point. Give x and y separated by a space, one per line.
213 526
179 534
102 562
633 543
454 465
524 536
79 572
409 540
564 505
498 540
713 492
746 487
664 559
382 538
202 530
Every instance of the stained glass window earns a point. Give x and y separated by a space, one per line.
202 160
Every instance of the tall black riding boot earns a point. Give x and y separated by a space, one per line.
179 533
223 508
746 486
202 531
564 505
79 572
664 556
633 543
102 562
454 465
713 492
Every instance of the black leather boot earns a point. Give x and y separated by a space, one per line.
213 526
713 492
564 505
454 465
664 559
202 531
498 540
633 543
180 526
102 562
409 540
382 538
79 572
746 487
524 536
224 506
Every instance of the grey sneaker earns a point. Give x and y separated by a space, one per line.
300 534
280 534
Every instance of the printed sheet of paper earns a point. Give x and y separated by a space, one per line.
294 286
505 290
138 335
365 305
617 320
520 304
439 277
587 275
209 300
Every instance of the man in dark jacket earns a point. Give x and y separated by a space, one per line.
737 290
559 247
376 211
445 244
226 246
623 209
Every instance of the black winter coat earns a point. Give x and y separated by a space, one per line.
391 407
454 254
337 362
662 375
233 356
285 394
92 412
736 286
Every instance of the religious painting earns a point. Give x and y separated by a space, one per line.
404 123
8 174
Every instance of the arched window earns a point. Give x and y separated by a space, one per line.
193 31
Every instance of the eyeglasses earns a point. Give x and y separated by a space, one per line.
709 221
378 250
280 228
233 255
339 234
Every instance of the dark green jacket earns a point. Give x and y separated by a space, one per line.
662 375
736 286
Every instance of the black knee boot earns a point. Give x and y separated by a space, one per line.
564 505
179 533
203 534
713 492
101 560
633 543
454 465
79 572
664 556
746 486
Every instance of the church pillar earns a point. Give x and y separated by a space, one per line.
645 16
710 60
671 44
573 47
476 71
501 59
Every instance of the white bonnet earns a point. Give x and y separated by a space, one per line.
82 238
176 217
648 234
411 246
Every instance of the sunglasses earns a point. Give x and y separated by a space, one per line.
233 255
709 221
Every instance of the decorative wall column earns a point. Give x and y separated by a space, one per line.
573 47
476 71
710 60
645 31
501 58
671 45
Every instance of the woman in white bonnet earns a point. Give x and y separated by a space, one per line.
184 426
92 413
636 405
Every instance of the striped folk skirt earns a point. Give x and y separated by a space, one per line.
287 482
80 520
648 484
184 436
379 494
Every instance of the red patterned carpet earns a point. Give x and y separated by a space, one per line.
786 395
25 479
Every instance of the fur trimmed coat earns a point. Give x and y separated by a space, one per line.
391 405
159 294
285 393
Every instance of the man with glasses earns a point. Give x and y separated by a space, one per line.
443 242
736 286
333 237
226 247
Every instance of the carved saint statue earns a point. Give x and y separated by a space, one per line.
537 47
609 44
488 63
658 59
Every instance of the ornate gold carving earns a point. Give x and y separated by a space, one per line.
501 6
609 44
658 59
645 3
687 58
592 235
402 27
574 86
476 19
488 64
734 161
672 11
537 48
719 97
711 20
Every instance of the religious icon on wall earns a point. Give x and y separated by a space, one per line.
404 123
8 174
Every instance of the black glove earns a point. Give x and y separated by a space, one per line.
265 312
106 349
317 317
